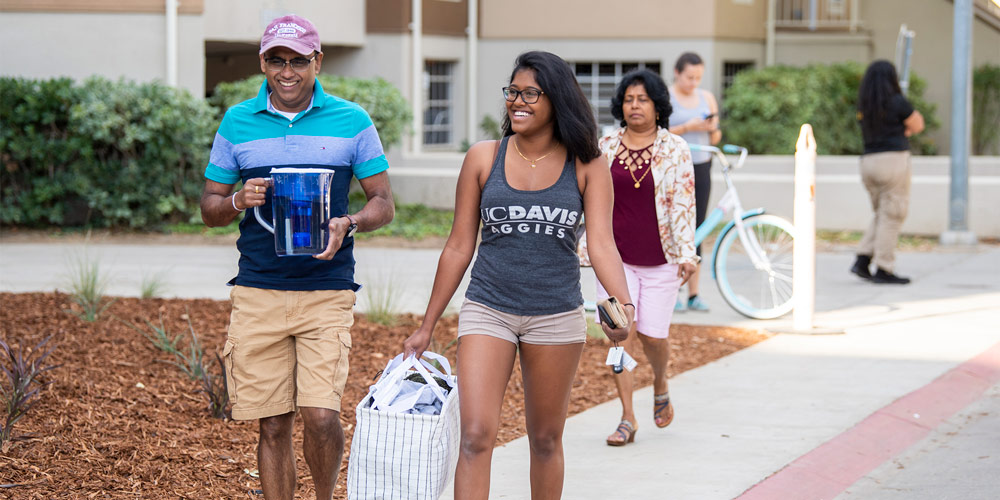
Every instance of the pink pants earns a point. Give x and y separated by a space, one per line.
654 292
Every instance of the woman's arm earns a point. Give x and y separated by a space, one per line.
682 211
598 199
461 244
714 133
696 124
913 124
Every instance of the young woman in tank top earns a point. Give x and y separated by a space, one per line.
696 119
525 195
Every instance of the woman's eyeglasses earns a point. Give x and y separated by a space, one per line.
299 64
528 95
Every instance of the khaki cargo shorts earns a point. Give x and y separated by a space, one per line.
287 349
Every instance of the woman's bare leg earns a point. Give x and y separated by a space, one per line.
548 372
484 365
658 353
624 383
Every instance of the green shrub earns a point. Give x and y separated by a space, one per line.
101 153
384 103
986 110
766 107
35 149
412 221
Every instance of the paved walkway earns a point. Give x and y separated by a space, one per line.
903 405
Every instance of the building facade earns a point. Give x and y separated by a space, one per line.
461 65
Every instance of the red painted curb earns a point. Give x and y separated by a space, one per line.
831 468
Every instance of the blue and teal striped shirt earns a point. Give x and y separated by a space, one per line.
333 133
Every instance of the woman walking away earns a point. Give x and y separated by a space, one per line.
695 118
529 191
653 225
887 120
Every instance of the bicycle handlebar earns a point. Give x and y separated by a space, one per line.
731 149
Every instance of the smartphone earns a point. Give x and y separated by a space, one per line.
605 317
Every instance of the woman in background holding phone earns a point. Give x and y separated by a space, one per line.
695 118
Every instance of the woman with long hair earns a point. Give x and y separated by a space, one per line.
528 192
887 121
696 119
653 226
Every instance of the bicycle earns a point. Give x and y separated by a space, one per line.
752 257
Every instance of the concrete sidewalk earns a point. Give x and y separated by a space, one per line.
781 416
745 417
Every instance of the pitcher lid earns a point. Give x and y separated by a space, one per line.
301 170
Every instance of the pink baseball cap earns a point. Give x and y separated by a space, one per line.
293 32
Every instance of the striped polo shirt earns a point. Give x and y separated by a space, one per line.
332 133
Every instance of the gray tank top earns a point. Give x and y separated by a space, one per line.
527 263
682 115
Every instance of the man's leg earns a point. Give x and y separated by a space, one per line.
276 458
322 350
323 445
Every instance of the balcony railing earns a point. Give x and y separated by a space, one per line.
817 15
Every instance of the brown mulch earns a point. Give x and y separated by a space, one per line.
118 421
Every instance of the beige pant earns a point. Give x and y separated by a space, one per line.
887 178
565 328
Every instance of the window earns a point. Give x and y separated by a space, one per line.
438 95
598 81
729 71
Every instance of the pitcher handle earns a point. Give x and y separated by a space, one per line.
256 213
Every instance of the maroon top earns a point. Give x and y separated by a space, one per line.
633 219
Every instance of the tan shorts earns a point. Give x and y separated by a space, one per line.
287 349
550 329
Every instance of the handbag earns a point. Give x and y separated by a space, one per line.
400 450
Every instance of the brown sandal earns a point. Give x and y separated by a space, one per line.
627 432
661 404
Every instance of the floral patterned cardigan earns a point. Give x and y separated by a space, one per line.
673 181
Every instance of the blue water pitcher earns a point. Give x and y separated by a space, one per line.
300 204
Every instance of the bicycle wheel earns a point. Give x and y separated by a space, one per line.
763 292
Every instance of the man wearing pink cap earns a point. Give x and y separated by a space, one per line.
289 333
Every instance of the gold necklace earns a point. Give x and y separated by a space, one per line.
526 158
639 180
635 155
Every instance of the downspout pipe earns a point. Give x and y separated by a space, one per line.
171 41
417 76
769 37
472 64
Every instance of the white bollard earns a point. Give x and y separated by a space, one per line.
804 250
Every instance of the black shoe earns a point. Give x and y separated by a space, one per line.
886 277
861 266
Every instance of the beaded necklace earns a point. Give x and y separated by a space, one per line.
637 158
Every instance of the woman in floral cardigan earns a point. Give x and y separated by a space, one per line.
654 223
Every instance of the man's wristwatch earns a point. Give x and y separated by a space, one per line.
352 228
